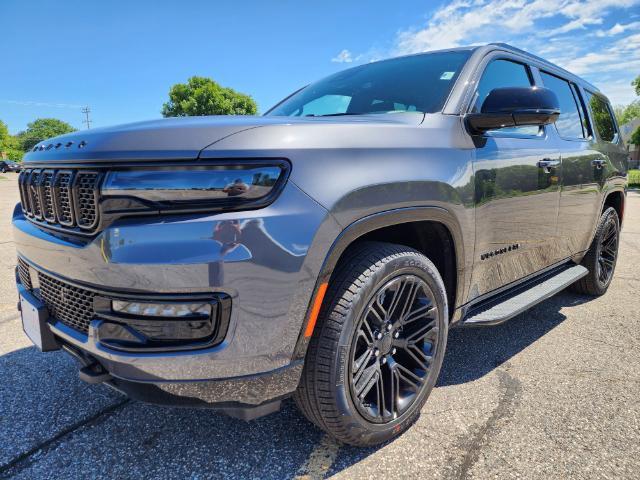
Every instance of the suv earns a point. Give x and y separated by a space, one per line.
323 250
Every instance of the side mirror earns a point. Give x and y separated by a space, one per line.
515 107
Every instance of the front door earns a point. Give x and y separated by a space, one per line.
517 193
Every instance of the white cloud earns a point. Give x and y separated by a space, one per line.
579 35
618 29
561 30
343 57
619 92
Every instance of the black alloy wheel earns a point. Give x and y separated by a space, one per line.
602 256
393 349
607 251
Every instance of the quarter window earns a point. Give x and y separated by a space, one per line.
501 74
602 118
569 123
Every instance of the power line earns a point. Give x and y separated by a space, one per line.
31 103
86 110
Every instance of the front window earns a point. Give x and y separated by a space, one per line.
501 74
417 83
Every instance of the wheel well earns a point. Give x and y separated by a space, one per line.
432 239
615 200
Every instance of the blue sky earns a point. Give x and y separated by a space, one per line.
121 57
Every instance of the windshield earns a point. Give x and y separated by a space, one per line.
418 83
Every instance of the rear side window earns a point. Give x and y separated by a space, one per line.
602 118
501 74
569 124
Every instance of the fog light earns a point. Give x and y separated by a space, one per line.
162 309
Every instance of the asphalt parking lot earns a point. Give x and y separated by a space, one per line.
553 393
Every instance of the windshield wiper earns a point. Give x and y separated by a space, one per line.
333 114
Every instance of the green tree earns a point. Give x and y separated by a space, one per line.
636 85
629 113
9 144
4 133
202 96
41 129
635 137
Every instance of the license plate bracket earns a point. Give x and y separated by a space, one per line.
34 323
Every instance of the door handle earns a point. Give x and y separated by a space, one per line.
599 163
547 164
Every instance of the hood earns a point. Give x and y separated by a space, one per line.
176 138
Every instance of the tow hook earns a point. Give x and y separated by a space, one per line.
91 371
94 373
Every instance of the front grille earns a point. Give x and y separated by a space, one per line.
71 305
23 273
65 199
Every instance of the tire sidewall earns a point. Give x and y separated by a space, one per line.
366 431
609 214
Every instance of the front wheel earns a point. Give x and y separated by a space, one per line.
378 346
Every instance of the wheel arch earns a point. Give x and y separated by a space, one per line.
436 221
616 199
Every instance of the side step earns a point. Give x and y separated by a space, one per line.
522 297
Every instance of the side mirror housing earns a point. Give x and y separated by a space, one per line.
515 107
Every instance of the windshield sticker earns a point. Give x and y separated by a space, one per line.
447 75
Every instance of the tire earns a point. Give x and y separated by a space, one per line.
352 343
602 252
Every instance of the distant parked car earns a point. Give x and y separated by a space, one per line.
9 166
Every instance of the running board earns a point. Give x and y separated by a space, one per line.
522 297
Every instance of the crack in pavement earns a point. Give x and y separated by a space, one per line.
24 460
507 404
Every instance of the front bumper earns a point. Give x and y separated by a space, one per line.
269 273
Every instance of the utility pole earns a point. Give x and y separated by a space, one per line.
86 110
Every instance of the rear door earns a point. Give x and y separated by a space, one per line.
516 199
582 166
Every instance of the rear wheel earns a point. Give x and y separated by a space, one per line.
601 257
378 346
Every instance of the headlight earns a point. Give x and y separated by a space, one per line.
238 185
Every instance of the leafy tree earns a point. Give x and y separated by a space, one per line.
202 96
635 137
628 113
41 129
9 144
636 85
4 133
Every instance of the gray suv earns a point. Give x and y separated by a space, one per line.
323 250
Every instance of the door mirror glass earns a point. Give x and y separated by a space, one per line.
515 107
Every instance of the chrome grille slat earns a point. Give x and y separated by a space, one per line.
23 181
46 196
63 197
34 194
85 189
66 199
